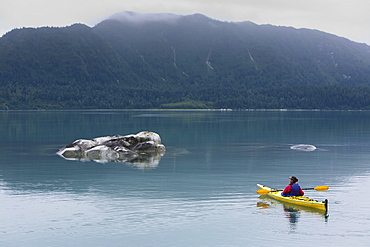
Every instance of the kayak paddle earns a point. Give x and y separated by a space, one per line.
318 188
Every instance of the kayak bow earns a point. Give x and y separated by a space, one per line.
298 200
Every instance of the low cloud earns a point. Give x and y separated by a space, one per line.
137 17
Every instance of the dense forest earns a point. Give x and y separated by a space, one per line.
168 61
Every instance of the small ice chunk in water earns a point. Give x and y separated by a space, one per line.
303 147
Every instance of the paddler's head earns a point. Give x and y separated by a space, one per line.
293 179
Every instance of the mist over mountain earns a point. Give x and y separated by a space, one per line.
142 18
137 60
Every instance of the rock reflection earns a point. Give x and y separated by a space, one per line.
143 150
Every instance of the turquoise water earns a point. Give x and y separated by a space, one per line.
202 191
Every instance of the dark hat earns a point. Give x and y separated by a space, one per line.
294 179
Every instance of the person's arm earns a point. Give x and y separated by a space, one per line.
301 191
287 190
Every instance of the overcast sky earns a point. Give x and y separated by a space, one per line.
350 19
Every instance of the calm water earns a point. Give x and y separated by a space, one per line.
202 192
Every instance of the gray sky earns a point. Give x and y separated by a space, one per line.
350 19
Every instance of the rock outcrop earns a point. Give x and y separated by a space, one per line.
143 149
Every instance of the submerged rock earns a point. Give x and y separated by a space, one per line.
304 147
143 150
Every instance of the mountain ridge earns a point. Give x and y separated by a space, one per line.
131 61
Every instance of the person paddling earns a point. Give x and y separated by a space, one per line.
293 189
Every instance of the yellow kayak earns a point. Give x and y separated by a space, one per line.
297 200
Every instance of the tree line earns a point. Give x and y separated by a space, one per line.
296 97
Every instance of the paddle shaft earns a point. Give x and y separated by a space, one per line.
318 188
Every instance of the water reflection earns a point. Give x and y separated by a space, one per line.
141 161
263 205
291 212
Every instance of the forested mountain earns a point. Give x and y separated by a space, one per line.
134 60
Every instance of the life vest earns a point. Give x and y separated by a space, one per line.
296 190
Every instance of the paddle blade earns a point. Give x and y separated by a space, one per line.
262 192
322 188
